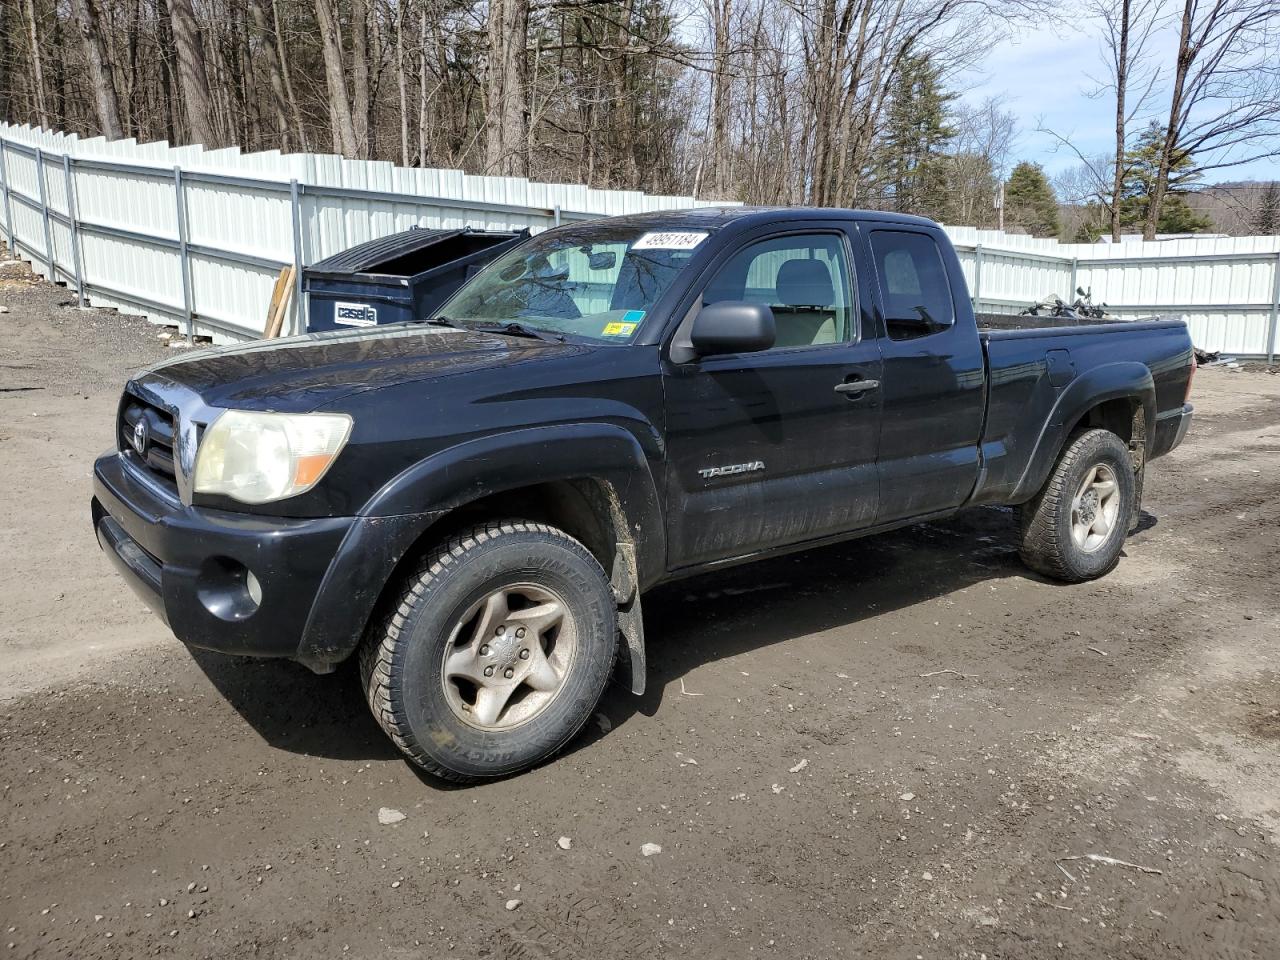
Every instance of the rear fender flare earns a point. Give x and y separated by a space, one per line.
1112 381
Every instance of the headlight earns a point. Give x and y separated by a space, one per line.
259 457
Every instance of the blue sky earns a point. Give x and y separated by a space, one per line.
1044 77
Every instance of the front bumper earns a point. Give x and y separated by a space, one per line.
1170 430
240 584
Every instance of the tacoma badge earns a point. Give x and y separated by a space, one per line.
708 472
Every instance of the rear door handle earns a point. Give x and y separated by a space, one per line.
857 386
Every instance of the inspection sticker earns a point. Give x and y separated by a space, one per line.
618 329
677 240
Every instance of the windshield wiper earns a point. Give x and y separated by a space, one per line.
437 322
514 328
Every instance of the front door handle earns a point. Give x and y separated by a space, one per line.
856 387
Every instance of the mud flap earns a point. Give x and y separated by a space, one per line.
1135 518
1138 454
630 671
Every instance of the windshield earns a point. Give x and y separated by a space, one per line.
595 280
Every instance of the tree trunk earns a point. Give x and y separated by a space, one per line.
164 35
721 13
344 131
99 63
402 85
264 24
286 75
1186 55
422 88
193 75
507 119
360 75
37 66
1122 82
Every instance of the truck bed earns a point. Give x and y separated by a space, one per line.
1033 361
1009 322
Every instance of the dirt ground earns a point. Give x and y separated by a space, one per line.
905 747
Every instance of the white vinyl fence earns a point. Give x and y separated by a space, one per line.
196 237
1227 289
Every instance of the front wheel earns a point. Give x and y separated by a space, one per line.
1075 527
496 654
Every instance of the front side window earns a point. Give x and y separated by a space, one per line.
599 281
914 284
804 278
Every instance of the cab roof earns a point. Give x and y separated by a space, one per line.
712 218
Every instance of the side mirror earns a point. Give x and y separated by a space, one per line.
732 326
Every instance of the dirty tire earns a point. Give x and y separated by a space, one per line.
402 660
1047 545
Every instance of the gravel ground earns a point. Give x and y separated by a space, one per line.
906 747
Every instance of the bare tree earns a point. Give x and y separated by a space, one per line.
1224 108
37 67
101 75
341 121
193 75
1127 28
264 24
360 76
507 110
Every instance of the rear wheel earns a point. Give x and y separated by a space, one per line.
496 654
1075 527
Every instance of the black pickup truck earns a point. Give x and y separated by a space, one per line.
475 504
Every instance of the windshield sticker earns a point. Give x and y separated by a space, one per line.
678 240
617 329
633 316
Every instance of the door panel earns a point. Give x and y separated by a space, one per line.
934 391
762 449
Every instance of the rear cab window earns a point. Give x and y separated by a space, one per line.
915 289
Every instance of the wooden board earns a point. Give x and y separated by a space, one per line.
281 295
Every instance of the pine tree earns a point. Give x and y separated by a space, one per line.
1029 201
912 153
1267 219
1176 216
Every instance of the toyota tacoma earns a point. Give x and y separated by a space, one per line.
475 504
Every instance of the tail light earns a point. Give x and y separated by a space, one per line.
1191 376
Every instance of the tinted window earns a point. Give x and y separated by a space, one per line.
913 283
804 278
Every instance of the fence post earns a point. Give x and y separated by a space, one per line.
44 211
73 217
184 263
1075 276
977 278
295 213
8 213
1275 311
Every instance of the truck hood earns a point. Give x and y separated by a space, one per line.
300 374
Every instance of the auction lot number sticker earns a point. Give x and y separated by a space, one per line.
671 240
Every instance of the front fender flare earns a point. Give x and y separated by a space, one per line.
396 516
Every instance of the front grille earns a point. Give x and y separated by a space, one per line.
147 435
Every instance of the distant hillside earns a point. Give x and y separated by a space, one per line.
1235 208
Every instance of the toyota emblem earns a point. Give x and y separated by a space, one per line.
140 436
